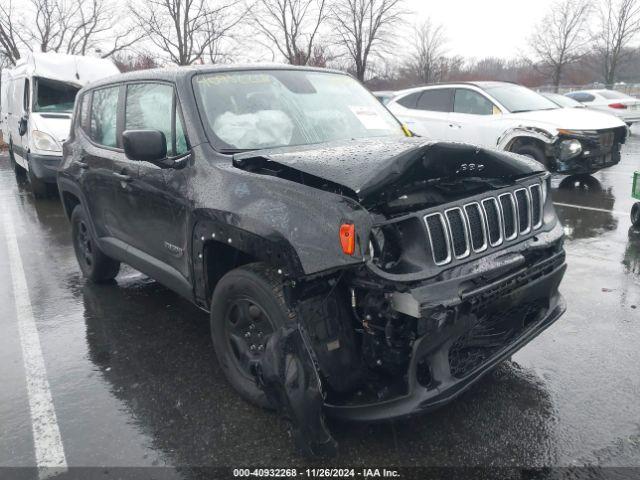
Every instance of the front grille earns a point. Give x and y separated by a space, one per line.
458 230
522 198
508 216
536 206
491 333
478 225
438 238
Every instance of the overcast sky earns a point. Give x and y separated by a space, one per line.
482 28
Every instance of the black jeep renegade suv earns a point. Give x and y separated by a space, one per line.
349 269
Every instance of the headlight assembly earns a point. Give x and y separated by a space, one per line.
569 148
44 141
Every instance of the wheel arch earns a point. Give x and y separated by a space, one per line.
523 135
219 248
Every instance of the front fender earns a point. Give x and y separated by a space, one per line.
505 141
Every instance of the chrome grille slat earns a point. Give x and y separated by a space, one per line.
456 214
473 227
471 219
507 198
493 213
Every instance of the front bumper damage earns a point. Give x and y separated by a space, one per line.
600 149
470 321
470 334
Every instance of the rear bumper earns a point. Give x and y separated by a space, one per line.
449 360
44 167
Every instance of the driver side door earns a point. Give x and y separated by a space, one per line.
474 119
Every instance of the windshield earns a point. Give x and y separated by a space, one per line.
613 94
520 99
265 109
563 101
53 96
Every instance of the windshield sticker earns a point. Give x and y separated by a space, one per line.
369 118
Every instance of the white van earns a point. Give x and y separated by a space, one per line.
36 103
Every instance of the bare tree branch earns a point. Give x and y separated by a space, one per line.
291 26
9 37
187 30
561 37
618 27
428 50
363 26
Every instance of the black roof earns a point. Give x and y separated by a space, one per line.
175 73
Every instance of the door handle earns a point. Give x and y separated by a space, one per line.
455 125
123 177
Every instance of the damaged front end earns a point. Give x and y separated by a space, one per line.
459 270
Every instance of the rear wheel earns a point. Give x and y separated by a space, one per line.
635 215
95 265
246 309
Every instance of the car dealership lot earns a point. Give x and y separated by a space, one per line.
134 381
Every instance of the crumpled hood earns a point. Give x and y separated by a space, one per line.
378 169
571 119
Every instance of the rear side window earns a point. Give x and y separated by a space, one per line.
104 109
152 106
468 101
410 101
436 100
582 97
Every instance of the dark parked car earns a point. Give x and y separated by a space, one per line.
348 270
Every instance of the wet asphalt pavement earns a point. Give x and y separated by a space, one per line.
135 382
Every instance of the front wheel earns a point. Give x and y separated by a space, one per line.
247 307
94 263
635 215
39 188
534 152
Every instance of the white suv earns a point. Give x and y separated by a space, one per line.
510 117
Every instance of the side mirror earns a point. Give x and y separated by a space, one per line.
145 146
22 125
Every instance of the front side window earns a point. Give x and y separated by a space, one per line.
468 101
54 97
27 103
436 100
272 108
150 106
104 108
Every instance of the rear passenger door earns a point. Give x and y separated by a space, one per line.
427 113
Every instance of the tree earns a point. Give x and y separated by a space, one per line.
98 24
363 27
291 26
428 50
187 30
619 24
9 37
52 23
561 37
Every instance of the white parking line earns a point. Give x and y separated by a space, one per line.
593 209
49 452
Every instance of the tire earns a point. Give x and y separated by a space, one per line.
532 151
635 215
39 188
19 172
247 305
95 264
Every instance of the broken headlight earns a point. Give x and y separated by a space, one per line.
569 148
